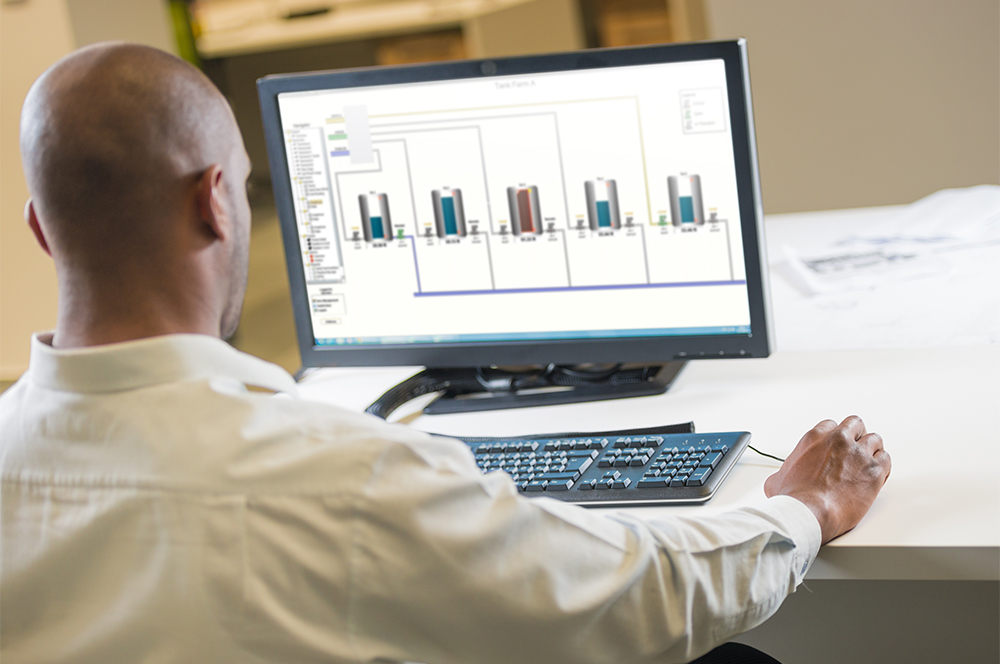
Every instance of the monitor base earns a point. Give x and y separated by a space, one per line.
483 389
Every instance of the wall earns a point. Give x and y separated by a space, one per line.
534 27
862 103
141 21
27 279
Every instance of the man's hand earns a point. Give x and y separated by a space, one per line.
837 471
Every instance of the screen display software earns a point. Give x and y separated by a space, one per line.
567 205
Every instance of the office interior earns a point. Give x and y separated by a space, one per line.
857 104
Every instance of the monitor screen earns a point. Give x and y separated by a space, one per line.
599 206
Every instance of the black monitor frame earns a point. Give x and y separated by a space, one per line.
758 343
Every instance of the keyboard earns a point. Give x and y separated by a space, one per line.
609 471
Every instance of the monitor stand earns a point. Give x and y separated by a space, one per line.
477 389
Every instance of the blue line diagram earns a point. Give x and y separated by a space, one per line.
556 289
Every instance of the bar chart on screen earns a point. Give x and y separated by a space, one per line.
507 199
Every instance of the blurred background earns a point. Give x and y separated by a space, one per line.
857 103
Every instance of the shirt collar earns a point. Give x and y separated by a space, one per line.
146 362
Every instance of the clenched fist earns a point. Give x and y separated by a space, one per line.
837 470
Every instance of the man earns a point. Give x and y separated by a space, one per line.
155 509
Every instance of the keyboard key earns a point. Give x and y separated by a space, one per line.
521 486
612 475
711 460
587 486
656 441
638 461
699 477
719 448
559 485
536 485
604 484
599 444
605 462
622 483
581 454
557 476
676 481
622 461
648 483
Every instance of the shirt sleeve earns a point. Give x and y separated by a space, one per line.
454 566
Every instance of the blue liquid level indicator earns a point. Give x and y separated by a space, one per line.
378 232
448 210
603 214
687 209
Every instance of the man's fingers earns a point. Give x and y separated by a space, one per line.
825 426
883 458
872 442
855 426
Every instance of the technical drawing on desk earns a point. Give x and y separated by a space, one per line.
513 201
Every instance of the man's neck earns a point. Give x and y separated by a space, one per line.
93 317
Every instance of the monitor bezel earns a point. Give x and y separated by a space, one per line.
757 343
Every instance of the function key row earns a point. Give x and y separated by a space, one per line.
507 446
574 444
638 441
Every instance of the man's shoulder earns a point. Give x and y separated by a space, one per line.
203 436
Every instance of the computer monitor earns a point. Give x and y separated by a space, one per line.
598 206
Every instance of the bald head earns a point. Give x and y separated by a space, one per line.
117 142
109 133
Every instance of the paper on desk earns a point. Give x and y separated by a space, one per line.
910 244
924 276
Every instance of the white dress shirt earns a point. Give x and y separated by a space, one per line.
155 510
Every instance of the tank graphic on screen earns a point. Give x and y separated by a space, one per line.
449 212
686 206
602 205
525 212
375 219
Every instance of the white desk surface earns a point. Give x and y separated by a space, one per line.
938 516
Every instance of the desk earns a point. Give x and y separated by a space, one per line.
935 407
935 402
240 28
918 529
493 28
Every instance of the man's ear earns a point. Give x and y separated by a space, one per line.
32 218
210 199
